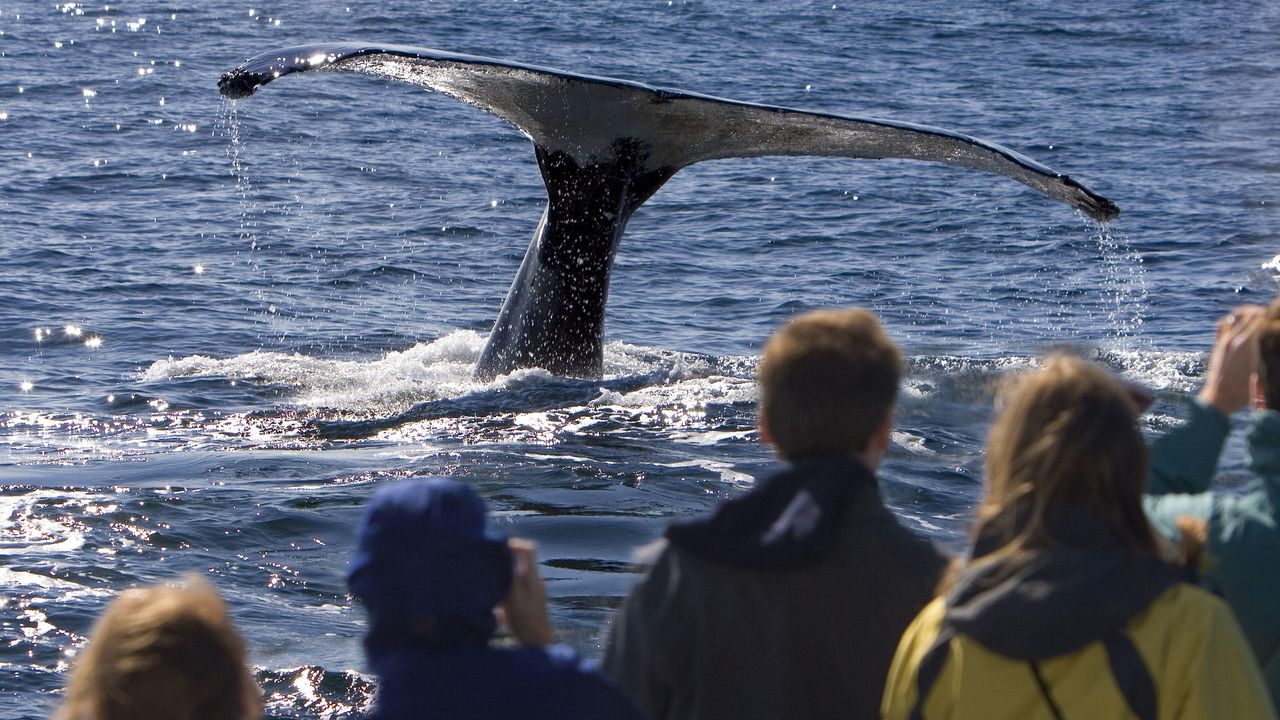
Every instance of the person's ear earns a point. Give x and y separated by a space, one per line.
762 428
884 434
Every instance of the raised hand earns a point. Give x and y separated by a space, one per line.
1228 383
524 609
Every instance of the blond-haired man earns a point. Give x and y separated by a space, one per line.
788 602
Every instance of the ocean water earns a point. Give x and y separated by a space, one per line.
224 325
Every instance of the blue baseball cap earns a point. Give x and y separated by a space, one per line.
424 552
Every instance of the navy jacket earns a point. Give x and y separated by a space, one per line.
479 682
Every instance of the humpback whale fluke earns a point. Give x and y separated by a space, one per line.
604 146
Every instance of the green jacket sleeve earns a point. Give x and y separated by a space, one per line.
1185 459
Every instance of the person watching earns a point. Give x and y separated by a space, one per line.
1067 605
787 602
430 573
1243 523
163 653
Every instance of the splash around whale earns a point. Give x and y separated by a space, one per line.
604 147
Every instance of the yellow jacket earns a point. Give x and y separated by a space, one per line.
1188 639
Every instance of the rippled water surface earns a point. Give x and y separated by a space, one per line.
222 326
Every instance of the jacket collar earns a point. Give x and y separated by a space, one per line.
790 520
1060 599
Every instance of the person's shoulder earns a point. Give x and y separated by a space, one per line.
585 688
1183 612
1187 599
915 549
557 661
565 658
923 632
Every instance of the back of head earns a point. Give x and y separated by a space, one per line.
1269 356
426 566
828 381
163 653
1066 441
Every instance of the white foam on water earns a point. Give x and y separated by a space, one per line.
713 437
910 442
1160 370
442 369
690 395
1171 371
724 470
24 532
921 521
20 578
677 400
427 371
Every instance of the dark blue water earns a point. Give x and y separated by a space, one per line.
223 326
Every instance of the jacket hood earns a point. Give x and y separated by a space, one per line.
789 520
426 565
1061 599
1264 443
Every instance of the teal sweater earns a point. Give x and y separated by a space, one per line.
1243 554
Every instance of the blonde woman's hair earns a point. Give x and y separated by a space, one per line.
1066 437
163 653
828 381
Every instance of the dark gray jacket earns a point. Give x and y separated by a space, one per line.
797 619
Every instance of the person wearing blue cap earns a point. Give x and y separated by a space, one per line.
430 574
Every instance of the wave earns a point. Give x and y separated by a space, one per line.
427 391
314 692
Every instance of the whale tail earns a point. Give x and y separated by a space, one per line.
583 116
604 146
